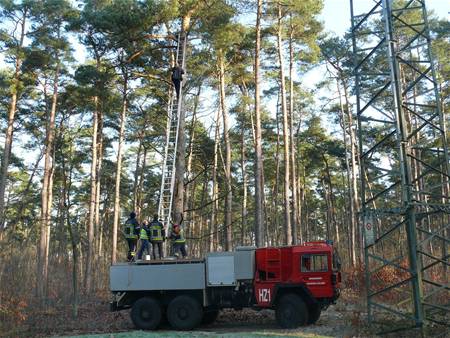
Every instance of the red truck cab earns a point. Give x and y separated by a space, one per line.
302 278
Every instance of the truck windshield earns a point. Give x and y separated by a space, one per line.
314 263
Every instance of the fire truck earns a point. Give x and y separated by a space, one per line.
298 282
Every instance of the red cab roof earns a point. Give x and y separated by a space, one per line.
305 247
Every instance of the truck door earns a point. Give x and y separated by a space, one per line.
316 272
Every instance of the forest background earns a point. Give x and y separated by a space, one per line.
271 156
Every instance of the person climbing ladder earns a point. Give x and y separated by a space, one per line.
177 77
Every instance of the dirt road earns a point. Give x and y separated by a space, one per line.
337 321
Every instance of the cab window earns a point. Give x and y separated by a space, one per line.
314 263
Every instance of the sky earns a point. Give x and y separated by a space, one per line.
336 20
335 17
336 13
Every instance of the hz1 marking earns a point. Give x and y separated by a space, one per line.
264 295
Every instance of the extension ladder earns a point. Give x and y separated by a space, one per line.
168 169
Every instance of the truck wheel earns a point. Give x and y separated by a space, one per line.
184 313
210 317
291 311
146 313
314 314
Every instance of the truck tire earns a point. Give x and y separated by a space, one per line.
146 313
210 317
184 313
314 314
291 311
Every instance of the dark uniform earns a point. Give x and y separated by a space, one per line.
131 235
157 234
177 77
178 241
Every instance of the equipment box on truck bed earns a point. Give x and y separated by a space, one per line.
160 275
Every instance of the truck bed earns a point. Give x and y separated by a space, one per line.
167 261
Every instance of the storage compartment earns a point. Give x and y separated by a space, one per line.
226 268
220 269
244 262
168 276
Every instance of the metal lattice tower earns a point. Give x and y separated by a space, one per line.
404 166
173 125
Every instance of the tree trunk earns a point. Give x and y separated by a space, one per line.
11 117
192 137
229 196
119 165
331 195
345 130
299 206
46 195
295 217
215 188
98 181
50 204
141 182
92 199
354 178
67 183
190 192
326 196
276 188
244 186
136 175
180 163
193 227
305 208
259 189
287 213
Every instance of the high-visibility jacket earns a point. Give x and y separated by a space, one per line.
156 231
130 228
178 238
143 234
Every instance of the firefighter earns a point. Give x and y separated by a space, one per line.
178 240
157 234
131 235
177 77
144 236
